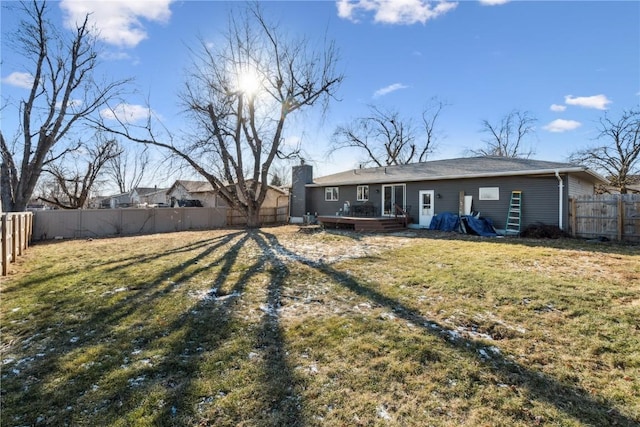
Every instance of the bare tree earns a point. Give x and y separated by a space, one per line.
127 169
239 95
75 178
507 138
62 94
280 175
619 155
385 138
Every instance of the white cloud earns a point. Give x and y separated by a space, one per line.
130 113
598 102
18 79
557 108
493 2
73 103
561 125
118 22
404 12
388 89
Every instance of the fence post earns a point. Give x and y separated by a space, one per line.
620 218
29 230
5 245
14 238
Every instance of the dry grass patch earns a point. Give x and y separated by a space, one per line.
299 326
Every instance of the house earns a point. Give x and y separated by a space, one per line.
476 184
183 190
155 196
122 200
203 191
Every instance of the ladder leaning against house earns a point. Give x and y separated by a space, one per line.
514 217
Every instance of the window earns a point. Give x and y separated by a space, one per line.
489 193
331 194
362 193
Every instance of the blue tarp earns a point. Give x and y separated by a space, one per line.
479 226
447 221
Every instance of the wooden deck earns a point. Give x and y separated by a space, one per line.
375 224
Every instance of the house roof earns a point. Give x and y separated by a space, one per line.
194 186
145 191
466 167
206 187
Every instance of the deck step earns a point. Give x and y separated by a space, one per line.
364 224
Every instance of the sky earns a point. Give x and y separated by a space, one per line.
567 63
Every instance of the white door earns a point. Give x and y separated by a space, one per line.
426 207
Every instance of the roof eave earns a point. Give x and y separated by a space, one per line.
387 179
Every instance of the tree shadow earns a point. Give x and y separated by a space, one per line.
121 263
203 328
206 326
97 332
572 400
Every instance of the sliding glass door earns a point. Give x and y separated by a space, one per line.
393 195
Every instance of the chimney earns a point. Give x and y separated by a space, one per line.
300 176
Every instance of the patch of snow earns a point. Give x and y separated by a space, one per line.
382 413
136 382
15 309
269 310
453 335
212 295
388 316
74 340
120 290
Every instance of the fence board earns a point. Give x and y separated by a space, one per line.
16 235
614 216
277 215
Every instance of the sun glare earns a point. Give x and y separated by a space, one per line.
249 82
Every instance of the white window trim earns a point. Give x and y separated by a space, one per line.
489 193
358 194
329 191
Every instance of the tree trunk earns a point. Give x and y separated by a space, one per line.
253 217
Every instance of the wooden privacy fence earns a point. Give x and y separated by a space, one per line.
16 235
614 216
267 216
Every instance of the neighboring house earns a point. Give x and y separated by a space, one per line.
479 184
208 197
193 190
117 201
633 186
149 196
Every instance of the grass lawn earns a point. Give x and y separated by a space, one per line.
292 326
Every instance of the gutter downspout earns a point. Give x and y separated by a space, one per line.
560 199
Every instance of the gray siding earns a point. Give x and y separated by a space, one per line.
540 198
578 187
300 175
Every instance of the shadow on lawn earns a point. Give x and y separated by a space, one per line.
205 328
573 401
122 381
